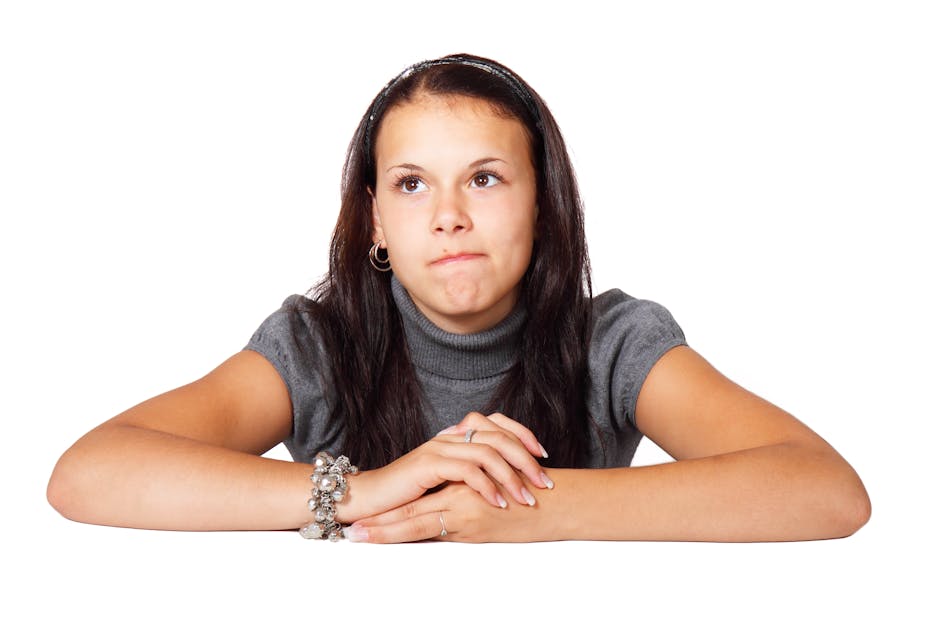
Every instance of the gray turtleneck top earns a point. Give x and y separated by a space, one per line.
459 373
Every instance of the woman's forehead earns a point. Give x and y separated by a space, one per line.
435 124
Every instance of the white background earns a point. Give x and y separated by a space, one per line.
169 172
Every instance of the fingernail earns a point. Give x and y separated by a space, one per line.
448 430
544 453
528 497
548 482
502 502
356 534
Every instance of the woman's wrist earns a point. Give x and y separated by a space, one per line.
329 488
358 502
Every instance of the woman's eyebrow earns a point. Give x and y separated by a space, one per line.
475 164
484 161
406 166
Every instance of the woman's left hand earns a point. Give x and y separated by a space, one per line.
459 510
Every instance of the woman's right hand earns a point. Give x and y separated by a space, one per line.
492 457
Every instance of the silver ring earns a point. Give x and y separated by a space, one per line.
469 435
443 529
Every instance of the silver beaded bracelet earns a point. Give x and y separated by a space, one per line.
329 488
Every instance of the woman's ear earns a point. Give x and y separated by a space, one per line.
378 234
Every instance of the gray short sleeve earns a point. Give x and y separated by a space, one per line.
290 339
630 335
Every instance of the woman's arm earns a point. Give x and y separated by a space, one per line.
746 471
189 459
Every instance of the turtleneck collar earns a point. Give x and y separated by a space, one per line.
455 356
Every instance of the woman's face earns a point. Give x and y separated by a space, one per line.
455 206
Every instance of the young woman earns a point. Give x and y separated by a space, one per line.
454 353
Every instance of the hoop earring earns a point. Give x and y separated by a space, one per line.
382 265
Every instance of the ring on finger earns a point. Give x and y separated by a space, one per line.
440 515
469 435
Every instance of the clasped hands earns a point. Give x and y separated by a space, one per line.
477 488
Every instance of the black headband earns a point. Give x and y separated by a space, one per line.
514 83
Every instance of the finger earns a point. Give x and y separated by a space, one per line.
423 505
510 449
423 527
439 467
485 424
482 456
468 468
520 431
418 520
398 514
497 421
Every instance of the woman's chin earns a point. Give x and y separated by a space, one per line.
462 295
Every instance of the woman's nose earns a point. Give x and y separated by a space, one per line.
450 214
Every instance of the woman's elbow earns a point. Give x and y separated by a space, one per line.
856 510
64 488
849 504
57 491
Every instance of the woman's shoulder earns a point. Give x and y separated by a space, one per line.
617 312
298 304
630 334
297 312
291 335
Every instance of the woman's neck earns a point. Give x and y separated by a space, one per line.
459 356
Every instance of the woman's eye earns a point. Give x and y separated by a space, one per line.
485 179
411 185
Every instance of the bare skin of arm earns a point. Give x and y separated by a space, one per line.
189 459
746 471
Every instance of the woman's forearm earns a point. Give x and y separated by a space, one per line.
129 476
772 493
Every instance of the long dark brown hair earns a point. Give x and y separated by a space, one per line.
377 395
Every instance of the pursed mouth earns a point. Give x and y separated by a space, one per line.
456 258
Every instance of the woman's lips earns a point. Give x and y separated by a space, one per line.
454 258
